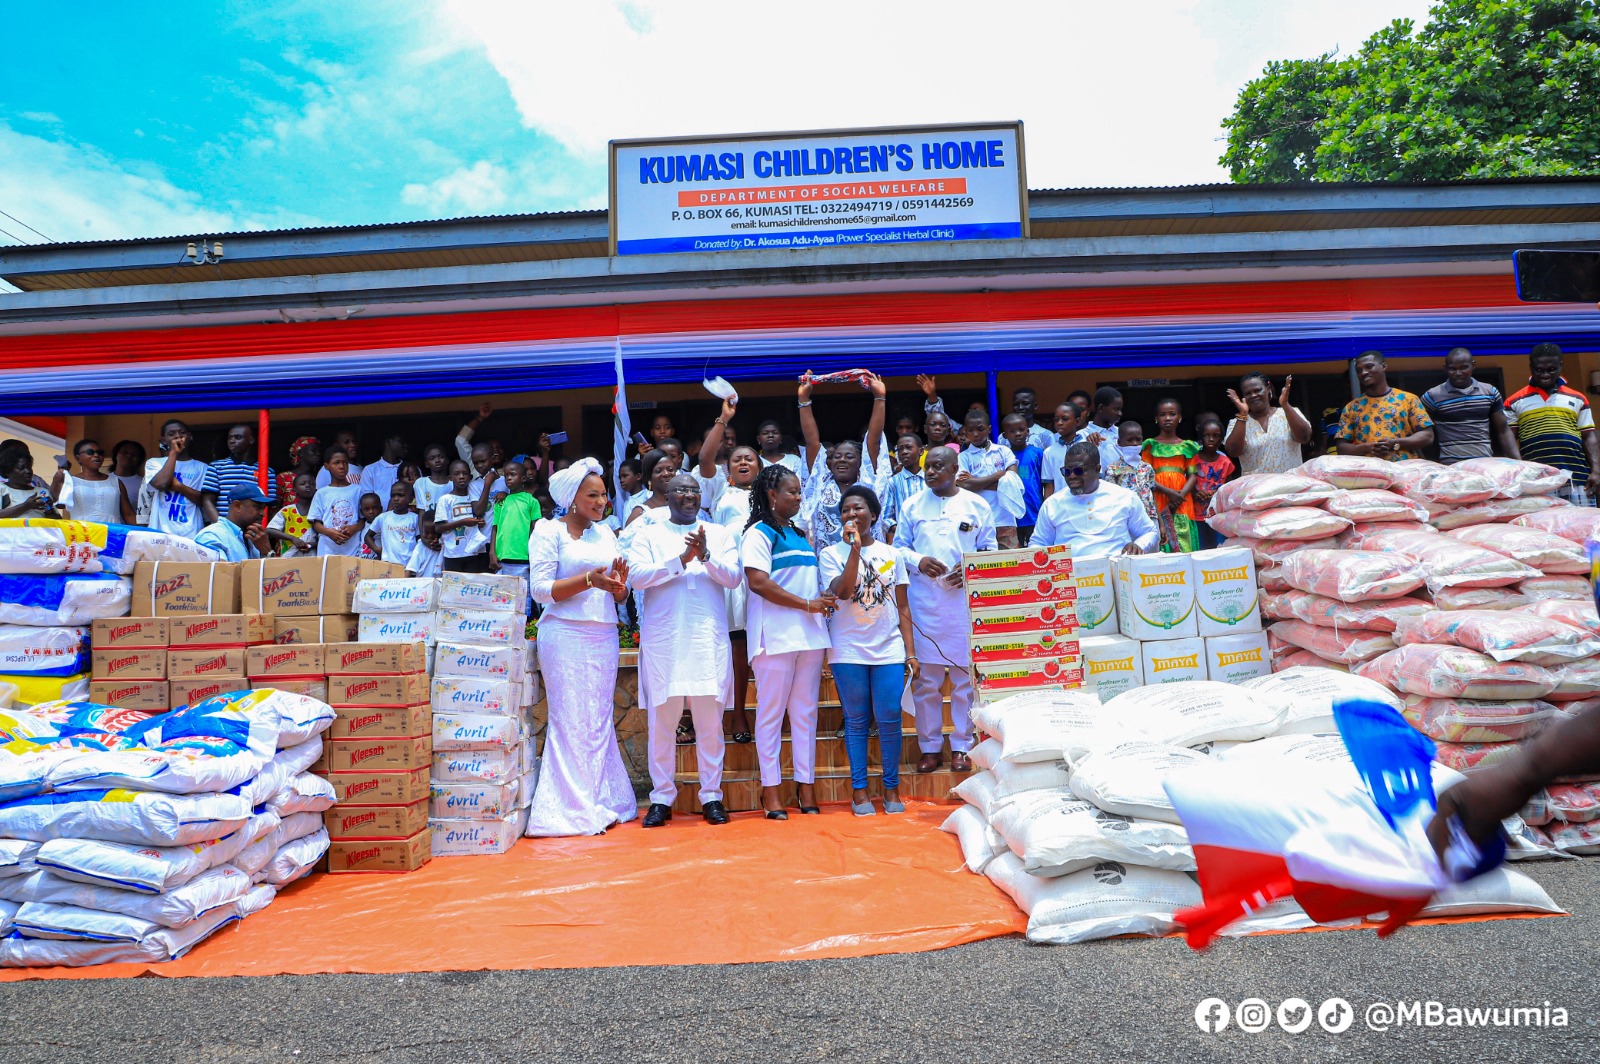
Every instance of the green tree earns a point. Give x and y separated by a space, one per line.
1488 88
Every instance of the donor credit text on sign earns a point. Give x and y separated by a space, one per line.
807 190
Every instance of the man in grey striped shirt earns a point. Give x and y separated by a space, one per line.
1467 413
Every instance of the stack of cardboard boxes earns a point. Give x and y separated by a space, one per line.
310 599
1022 616
1181 617
377 757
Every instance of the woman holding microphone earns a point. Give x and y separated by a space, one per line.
870 633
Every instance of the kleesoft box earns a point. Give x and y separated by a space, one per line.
406 689
301 587
337 628
1174 660
310 686
375 821
153 696
384 722
1096 604
188 664
1237 658
482 591
1030 618
379 755
471 694
396 628
142 632
1112 664
219 630
1225 591
383 855
165 588
187 692
1155 596
374 659
1014 564
128 663
290 660
418 594
380 788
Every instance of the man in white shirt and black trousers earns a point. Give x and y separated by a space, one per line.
1096 519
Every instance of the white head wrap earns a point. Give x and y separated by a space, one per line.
564 485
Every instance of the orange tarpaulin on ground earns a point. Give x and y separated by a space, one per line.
834 885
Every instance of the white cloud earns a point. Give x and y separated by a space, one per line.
482 188
1111 94
490 188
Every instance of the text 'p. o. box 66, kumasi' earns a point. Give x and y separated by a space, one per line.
830 188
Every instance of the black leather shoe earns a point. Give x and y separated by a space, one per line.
657 815
715 813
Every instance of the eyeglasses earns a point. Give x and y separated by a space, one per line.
1074 471
91 452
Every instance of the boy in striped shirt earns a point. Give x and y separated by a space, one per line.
1553 422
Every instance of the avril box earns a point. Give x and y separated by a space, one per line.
142 632
488 663
128 663
500 765
220 630
302 587
389 855
187 692
295 659
482 591
1112 664
165 588
1225 591
380 788
152 696
190 664
1237 658
1037 616
383 722
1021 591
374 659
1014 564
475 801
406 689
1155 596
1097 596
336 628
1174 660
375 821
471 838
417 594
474 694
396 628
482 627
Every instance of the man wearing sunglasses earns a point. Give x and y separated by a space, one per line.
1095 519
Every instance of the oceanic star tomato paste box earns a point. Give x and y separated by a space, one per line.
1020 646
1034 617
1011 564
165 588
1021 591
1001 677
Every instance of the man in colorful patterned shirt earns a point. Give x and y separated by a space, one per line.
1382 422
1553 422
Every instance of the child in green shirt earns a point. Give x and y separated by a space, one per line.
514 516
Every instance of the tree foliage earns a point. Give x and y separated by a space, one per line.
1488 88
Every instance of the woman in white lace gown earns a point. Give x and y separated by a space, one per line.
578 575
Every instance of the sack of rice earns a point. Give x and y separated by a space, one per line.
977 790
1446 562
1371 504
1504 635
1054 725
1292 657
1357 538
1056 835
1580 840
1496 511
1269 491
1464 757
1500 890
1127 778
1479 598
1273 551
1577 523
1270 578
1378 615
1351 472
1575 680
1576 803
1515 478
1290 522
980 843
1440 487
1345 645
1541 588
1577 613
1107 900
1013 780
1194 712
1456 672
1460 720
1304 697
1537 810
1544 551
1352 575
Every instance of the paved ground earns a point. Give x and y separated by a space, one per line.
991 1001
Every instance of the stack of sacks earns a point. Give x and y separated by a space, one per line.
55 578
1274 514
131 837
485 762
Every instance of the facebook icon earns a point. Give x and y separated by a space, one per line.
1211 1015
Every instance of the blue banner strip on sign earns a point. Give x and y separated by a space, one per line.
823 238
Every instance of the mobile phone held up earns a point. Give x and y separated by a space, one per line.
638 438
1557 276
557 437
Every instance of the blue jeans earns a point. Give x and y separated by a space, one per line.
865 692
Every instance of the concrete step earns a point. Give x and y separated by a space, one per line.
744 795
739 760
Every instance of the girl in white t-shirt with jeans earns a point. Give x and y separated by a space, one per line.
870 634
786 632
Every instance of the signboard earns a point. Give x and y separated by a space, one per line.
837 188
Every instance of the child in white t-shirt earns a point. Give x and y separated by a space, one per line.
392 535
459 523
336 510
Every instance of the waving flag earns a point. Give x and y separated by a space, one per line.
1343 844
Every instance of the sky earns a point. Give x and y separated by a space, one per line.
190 117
